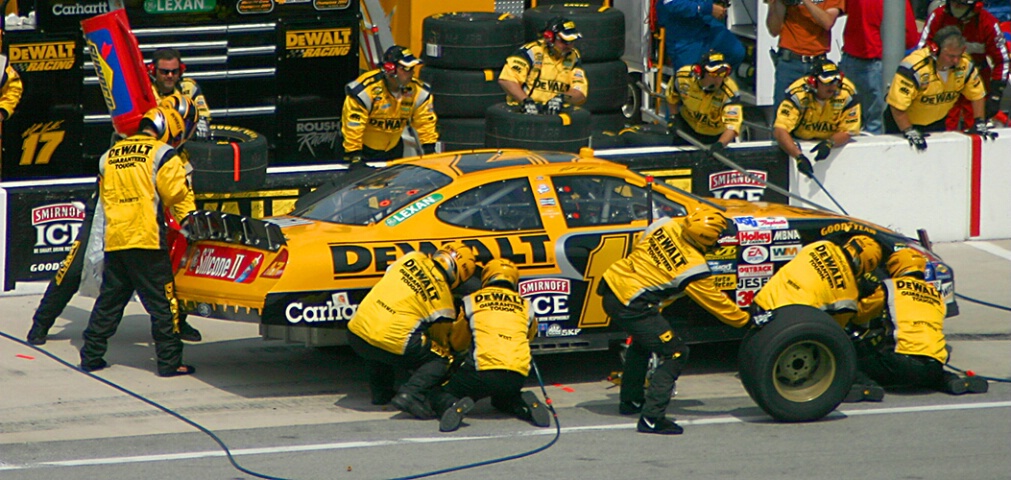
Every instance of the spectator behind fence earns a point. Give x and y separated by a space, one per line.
804 28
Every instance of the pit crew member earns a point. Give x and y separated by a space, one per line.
667 263
10 89
166 70
380 104
391 328
705 101
545 75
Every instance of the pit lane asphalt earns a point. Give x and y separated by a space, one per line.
246 386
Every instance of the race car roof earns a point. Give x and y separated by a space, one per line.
457 164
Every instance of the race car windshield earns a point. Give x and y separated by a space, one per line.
371 199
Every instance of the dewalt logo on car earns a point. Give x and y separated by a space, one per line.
330 42
42 57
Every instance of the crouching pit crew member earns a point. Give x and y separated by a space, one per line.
494 330
390 329
667 263
380 104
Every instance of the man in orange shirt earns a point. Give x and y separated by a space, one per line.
804 29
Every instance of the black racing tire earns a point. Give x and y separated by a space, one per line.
608 86
461 133
213 160
798 367
608 121
605 139
470 40
603 28
463 93
507 128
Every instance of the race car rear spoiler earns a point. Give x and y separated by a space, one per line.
238 229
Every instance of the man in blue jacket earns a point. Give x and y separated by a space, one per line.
696 26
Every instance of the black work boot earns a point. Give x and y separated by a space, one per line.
957 384
453 415
37 335
630 407
534 411
407 403
662 426
188 333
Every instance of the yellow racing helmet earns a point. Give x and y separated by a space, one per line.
905 262
187 110
457 260
164 124
865 252
704 226
500 270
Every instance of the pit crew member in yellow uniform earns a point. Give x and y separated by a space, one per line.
380 104
822 105
391 327
927 84
906 346
494 329
705 102
667 263
10 90
138 177
166 70
545 75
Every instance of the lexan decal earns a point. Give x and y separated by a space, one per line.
412 209
733 184
549 298
225 263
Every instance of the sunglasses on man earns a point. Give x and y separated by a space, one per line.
165 71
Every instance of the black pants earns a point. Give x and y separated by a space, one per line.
429 368
651 333
149 273
67 281
892 127
370 155
503 386
889 368
681 124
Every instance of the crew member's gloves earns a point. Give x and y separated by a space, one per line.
823 148
554 106
428 148
804 166
915 138
203 129
993 100
530 107
982 128
717 147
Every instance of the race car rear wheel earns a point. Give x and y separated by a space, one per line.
800 366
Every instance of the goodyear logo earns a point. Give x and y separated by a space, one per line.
42 57
847 227
330 42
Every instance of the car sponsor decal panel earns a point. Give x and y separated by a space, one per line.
223 263
732 184
549 299
328 309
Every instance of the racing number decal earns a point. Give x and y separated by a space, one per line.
48 135
610 249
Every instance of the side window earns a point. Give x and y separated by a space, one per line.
598 200
504 205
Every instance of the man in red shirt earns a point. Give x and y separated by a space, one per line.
985 44
861 58
804 29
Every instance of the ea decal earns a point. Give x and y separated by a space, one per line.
755 254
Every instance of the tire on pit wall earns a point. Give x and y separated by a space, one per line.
603 29
608 86
461 133
798 367
507 128
213 160
463 93
470 40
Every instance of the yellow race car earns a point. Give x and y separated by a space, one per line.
562 218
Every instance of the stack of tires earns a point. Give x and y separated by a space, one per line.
464 53
233 159
600 49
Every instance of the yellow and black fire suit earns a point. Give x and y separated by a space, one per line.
820 276
495 329
708 114
807 118
374 118
912 350
389 328
924 94
138 177
543 76
662 267
10 89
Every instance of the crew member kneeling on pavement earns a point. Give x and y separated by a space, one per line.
390 329
495 329
545 75
906 346
705 101
821 105
926 86
666 264
138 177
380 104
824 276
